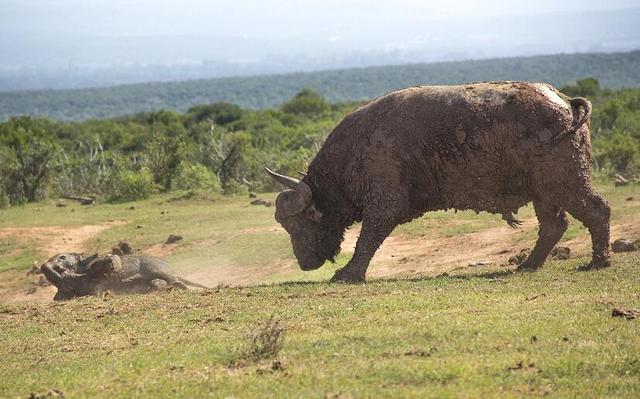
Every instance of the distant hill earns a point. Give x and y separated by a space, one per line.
611 69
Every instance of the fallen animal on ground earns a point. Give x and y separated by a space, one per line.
490 147
75 275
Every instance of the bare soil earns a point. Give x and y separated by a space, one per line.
400 255
51 239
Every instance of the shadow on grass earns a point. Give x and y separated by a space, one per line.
500 274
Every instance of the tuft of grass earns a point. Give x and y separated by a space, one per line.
265 343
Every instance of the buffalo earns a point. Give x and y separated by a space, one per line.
490 146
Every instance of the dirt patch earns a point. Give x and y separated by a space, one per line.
233 276
55 239
405 255
159 250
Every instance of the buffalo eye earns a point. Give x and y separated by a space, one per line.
63 257
313 214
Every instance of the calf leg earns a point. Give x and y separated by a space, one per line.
553 223
595 213
372 235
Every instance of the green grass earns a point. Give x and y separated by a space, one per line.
477 333
489 335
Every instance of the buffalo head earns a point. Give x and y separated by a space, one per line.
313 237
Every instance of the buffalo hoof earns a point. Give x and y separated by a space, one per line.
346 276
527 267
595 265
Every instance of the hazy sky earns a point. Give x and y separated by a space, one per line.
264 18
231 37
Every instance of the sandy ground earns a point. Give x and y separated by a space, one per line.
399 255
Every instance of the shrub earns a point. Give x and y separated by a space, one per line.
131 186
234 187
28 158
619 152
164 154
265 343
88 171
196 177
306 102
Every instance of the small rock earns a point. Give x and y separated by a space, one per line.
629 314
520 257
624 245
173 238
561 253
260 201
139 226
629 199
132 208
252 194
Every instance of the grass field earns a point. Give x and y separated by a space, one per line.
426 325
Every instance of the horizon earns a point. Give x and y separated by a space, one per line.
48 44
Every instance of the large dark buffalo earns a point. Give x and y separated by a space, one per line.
486 146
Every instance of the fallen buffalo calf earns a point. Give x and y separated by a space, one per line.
490 147
75 276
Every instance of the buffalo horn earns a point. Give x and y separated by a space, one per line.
291 203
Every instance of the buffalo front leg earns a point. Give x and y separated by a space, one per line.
553 223
371 237
595 213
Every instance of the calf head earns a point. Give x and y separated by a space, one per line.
313 236
67 272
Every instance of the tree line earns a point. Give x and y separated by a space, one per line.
222 147
614 70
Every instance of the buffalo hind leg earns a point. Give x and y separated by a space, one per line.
372 235
595 213
553 223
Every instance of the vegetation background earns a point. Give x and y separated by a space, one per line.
613 70
222 147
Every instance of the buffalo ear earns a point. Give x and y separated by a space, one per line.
85 261
295 199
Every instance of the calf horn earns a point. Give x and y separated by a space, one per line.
294 201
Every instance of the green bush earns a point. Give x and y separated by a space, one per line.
234 187
196 177
619 152
306 102
131 186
